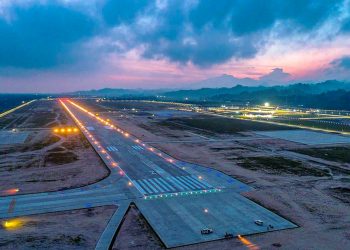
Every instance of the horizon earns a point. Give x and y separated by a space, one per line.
66 46
169 89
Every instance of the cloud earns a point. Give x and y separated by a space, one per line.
116 12
247 16
339 69
49 33
342 63
346 26
220 30
276 76
42 36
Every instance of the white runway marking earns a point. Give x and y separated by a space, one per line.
112 149
137 147
171 184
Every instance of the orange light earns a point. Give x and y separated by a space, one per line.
11 191
247 243
75 130
114 164
129 183
63 130
69 130
56 130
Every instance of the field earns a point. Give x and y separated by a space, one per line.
220 125
136 233
45 161
280 165
338 154
75 229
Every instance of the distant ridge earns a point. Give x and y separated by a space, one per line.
330 94
288 90
223 81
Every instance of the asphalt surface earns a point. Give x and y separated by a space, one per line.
148 172
171 194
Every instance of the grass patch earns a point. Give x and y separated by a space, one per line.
338 154
222 125
341 193
60 158
280 165
40 145
41 119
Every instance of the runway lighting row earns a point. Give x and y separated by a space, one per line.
90 137
100 149
65 130
106 122
169 195
114 164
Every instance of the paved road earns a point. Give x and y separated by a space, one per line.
151 179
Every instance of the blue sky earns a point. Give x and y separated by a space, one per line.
64 45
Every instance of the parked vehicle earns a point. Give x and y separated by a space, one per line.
259 222
206 231
228 235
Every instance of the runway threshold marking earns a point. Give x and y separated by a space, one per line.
164 185
12 206
112 149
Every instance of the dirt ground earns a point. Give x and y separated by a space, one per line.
75 229
318 203
46 161
135 233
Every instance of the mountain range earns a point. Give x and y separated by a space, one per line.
330 94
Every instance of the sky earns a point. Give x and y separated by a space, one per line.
68 45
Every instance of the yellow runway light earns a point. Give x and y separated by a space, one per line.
13 224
